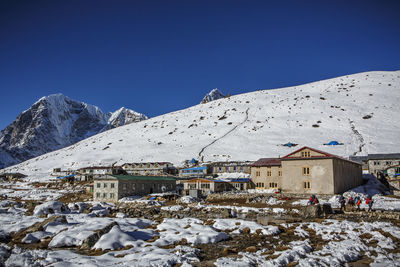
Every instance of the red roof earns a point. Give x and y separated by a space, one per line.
326 155
267 162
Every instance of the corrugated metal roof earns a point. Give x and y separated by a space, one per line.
384 156
147 178
267 162
195 168
240 180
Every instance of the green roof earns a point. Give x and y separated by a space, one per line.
148 178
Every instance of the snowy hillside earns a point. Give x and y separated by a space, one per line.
361 111
54 122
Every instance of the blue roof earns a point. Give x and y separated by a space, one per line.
333 143
62 177
196 168
289 144
240 180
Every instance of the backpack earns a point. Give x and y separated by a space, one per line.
367 201
358 202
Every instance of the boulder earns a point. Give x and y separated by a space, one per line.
312 211
38 227
92 239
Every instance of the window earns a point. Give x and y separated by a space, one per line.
305 154
269 173
234 168
142 186
306 170
134 186
112 195
280 173
104 195
220 168
259 184
105 185
388 162
273 185
206 186
112 185
257 173
307 185
123 186
97 194
98 185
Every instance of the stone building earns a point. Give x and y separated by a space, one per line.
267 173
380 162
241 183
110 188
231 166
206 186
89 173
309 170
193 172
149 168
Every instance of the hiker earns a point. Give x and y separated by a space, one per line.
311 200
315 201
369 202
358 203
351 201
342 202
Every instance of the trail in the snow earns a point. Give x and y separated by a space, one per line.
213 142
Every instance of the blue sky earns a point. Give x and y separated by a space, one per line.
159 56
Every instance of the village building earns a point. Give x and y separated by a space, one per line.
241 183
200 172
60 172
149 168
12 176
380 162
89 173
110 188
204 186
231 167
266 173
309 170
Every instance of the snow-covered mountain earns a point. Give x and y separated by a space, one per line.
122 117
214 94
54 122
361 111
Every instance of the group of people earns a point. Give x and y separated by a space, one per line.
342 200
355 202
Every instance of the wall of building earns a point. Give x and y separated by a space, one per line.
347 175
124 188
320 176
377 165
105 190
143 187
265 181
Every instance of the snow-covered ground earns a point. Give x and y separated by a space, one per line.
347 109
142 242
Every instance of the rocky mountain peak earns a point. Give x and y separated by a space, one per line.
214 94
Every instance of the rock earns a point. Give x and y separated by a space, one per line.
38 227
312 211
251 249
246 230
89 242
327 209
225 213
